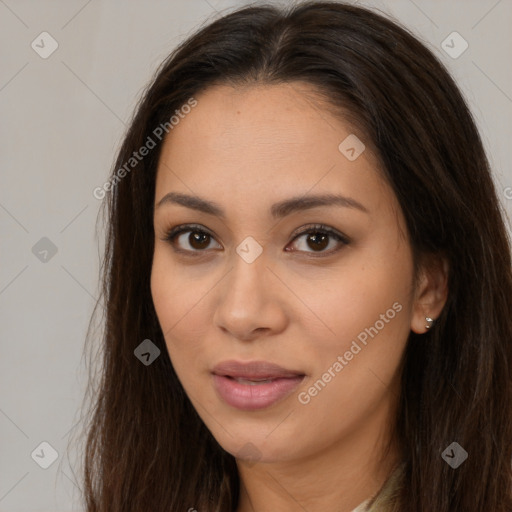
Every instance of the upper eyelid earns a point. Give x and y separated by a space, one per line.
183 228
308 228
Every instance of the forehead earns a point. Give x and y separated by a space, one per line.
256 141
257 114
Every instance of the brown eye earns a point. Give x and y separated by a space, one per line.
190 239
199 240
318 241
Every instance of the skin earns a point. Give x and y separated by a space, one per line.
245 149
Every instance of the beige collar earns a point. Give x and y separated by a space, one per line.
362 507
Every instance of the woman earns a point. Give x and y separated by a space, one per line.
307 281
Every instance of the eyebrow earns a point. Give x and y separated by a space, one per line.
277 210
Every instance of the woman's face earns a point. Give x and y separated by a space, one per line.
252 278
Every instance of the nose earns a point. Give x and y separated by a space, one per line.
250 302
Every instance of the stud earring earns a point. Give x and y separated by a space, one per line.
430 322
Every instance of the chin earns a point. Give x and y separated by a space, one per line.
255 445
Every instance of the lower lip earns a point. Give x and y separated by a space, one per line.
250 397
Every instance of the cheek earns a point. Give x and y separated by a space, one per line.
355 373
367 291
179 308
365 316
165 292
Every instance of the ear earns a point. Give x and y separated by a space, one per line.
431 292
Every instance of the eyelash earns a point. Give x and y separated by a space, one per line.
174 232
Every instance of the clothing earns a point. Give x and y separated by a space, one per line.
363 507
384 500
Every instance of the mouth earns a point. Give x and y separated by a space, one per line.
250 382
254 385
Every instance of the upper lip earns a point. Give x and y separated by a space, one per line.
253 370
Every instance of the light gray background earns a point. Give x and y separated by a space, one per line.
62 119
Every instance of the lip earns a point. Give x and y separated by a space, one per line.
253 370
253 396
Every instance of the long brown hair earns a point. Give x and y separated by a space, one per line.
146 447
